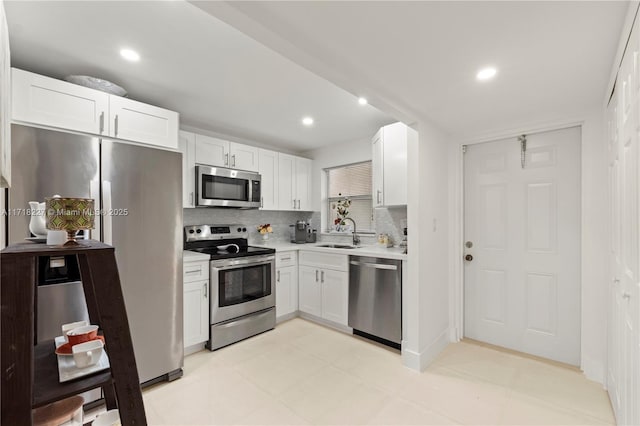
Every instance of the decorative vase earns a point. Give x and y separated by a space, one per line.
265 237
37 224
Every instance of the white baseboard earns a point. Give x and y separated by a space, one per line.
593 370
193 349
420 361
324 322
286 317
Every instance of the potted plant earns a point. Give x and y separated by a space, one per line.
265 230
342 212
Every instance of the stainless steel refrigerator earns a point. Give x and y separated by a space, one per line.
140 192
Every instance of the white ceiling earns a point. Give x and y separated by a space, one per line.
419 59
216 77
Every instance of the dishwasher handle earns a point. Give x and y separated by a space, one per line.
374 265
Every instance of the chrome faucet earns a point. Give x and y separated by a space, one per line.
356 238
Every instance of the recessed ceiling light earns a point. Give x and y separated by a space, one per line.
307 121
363 101
130 55
486 73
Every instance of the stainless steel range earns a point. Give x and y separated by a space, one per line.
241 282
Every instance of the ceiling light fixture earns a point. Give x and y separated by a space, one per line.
486 73
307 121
363 101
130 55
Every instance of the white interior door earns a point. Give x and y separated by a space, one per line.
624 296
522 287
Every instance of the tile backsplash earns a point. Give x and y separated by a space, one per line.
389 221
279 220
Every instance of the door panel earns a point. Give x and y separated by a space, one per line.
212 151
523 282
147 238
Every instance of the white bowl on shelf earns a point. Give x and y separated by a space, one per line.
97 83
109 418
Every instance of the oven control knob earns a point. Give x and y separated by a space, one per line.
191 231
198 231
244 229
239 229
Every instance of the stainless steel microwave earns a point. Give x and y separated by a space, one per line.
222 187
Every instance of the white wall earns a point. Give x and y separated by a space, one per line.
331 156
595 248
426 293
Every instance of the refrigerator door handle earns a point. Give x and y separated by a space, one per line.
95 194
106 213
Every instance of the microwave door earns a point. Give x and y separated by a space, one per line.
222 187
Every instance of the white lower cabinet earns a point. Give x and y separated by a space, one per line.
335 295
196 312
286 283
196 302
310 298
324 291
286 291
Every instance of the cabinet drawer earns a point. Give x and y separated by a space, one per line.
286 258
195 271
339 262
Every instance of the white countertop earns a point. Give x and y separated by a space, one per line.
371 250
194 256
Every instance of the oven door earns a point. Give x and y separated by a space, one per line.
241 286
222 187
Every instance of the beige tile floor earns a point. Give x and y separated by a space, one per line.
302 373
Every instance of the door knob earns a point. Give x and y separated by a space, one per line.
468 258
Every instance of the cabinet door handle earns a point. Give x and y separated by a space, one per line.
322 276
191 199
316 275
261 201
205 290
233 160
226 159
285 258
101 122
115 125
193 271
278 279
298 204
378 196
294 204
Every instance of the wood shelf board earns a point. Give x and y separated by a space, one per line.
40 249
47 387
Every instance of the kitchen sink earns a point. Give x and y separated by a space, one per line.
338 246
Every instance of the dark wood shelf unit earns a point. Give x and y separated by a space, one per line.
28 372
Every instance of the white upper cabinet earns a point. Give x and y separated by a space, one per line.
221 153
268 169
377 163
243 157
212 151
138 122
389 164
303 183
294 186
55 103
286 182
286 179
187 146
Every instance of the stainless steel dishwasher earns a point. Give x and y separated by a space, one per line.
375 299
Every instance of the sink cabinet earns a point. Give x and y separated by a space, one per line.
324 286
